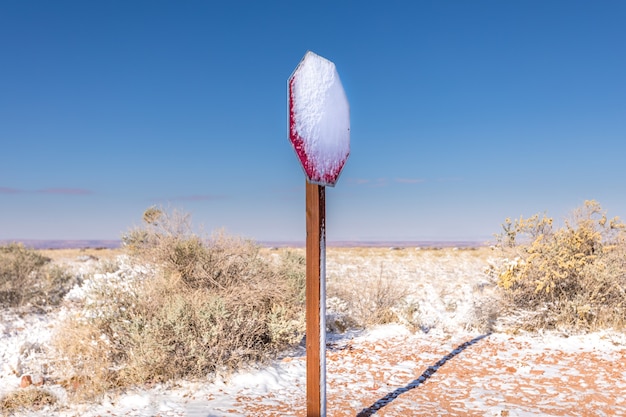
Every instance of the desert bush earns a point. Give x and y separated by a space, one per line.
365 302
211 305
28 399
28 278
574 276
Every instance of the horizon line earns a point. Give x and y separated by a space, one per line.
374 243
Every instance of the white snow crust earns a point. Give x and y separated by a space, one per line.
322 114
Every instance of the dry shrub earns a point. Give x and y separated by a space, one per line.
31 399
212 305
572 277
84 358
28 278
366 301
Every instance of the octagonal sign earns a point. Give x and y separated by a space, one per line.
319 119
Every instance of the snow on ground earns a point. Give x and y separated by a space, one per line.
447 368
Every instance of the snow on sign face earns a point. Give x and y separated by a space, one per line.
319 119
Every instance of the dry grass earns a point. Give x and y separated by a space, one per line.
85 359
367 302
26 399
61 255
420 288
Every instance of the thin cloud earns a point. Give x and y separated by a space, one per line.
378 182
358 181
200 197
9 190
409 180
65 191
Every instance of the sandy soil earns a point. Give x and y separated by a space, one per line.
488 375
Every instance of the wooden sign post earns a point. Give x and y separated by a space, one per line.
319 131
315 299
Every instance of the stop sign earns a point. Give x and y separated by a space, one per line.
319 119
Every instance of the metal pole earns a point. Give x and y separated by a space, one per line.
315 300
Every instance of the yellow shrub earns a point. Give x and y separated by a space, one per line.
557 271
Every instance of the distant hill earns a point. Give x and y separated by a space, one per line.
65 244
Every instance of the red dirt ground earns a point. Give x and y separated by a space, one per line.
497 375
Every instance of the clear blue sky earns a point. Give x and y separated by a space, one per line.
462 113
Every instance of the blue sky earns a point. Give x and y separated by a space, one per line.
462 113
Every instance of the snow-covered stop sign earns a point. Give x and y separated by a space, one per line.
319 119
